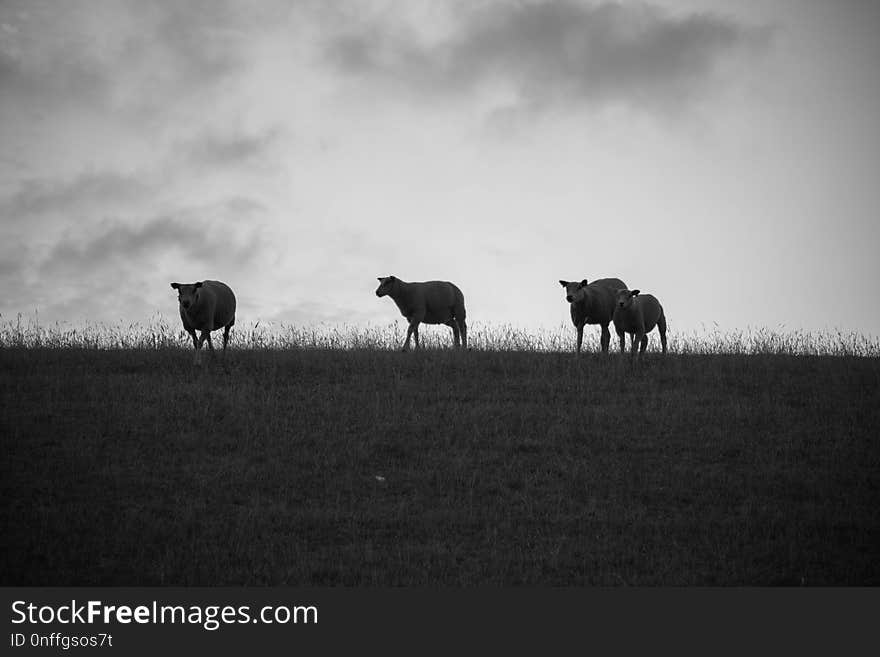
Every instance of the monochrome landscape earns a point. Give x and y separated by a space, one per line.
331 293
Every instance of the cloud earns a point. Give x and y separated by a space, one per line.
14 256
46 195
117 269
226 233
104 192
130 57
40 63
550 53
218 151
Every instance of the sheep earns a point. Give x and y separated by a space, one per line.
638 314
592 303
432 302
206 306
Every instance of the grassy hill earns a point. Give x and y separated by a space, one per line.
317 466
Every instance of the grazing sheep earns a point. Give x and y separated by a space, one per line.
432 302
592 303
638 314
206 306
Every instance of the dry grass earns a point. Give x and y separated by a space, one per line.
323 456
161 333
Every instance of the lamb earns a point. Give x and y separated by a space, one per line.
592 303
638 314
206 306
431 302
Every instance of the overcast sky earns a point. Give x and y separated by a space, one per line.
723 156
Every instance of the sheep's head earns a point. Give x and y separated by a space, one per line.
386 283
625 298
574 292
187 293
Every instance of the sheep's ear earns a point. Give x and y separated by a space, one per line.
198 285
379 278
634 293
583 283
175 286
563 283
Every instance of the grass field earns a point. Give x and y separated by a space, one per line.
304 461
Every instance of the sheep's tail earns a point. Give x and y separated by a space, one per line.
661 328
458 310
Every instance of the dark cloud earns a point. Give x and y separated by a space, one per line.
16 277
551 52
11 74
40 63
114 269
129 57
102 192
39 196
14 257
229 233
214 150
201 40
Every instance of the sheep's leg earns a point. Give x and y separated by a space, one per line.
606 338
580 339
199 343
226 337
622 336
644 343
462 327
195 340
661 327
413 330
456 336
206 336
634 345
